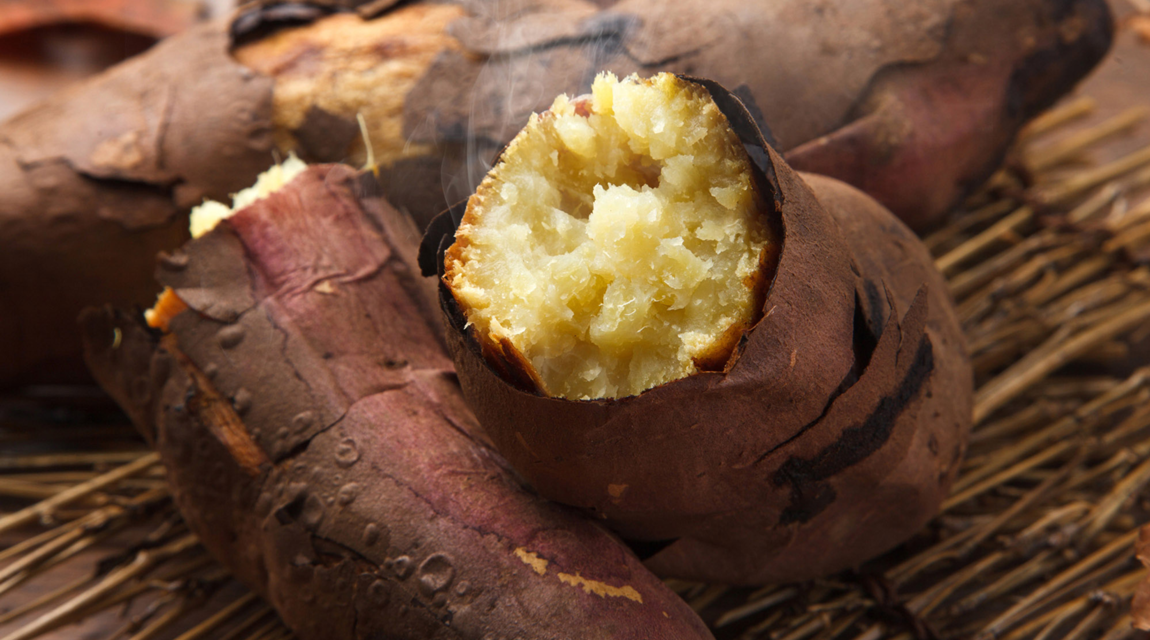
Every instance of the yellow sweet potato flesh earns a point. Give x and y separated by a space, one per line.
617 245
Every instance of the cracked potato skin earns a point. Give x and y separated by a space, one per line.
831 436
316 440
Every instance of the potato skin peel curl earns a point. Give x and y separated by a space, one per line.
834 435
316 441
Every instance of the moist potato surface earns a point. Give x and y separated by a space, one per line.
617 245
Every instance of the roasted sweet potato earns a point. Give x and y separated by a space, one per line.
86 207
155 18
913 102
316 441
824 431
46 46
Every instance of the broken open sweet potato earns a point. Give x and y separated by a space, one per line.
829 433
316 441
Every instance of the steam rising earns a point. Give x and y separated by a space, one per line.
534 51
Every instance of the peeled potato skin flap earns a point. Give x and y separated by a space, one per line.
833 436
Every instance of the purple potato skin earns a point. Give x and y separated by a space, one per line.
317 443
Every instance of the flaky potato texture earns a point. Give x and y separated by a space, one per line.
330 71
206 216
617 245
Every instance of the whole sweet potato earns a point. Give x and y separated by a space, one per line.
831 431
316 441
913 102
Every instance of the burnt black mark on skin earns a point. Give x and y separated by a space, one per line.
864 341
438 237
451 310
810 494
743 93
876 302
266 18
866 336
432 250
753 137
862 338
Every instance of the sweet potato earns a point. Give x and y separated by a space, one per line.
829 434
912 102
155 18
98 179
46 46
87 207
316 441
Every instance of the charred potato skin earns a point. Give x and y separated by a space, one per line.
316 441
833 436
